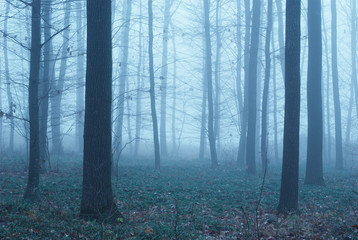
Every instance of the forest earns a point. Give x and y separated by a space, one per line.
178 119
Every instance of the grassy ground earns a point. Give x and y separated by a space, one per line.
191 202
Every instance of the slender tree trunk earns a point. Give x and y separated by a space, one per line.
128 99
252 84
349 115
208 71
328 115
281 36
152 87
45 84
217 76
354 50
203 129
239 61
139 84
123 76
266 88
80 78
56 100
241 156
289 180
8 82
97 197
32 189
314 166
174 145
336 97
1 117
274 100
164 81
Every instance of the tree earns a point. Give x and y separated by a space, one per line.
56 99
97 198
336 98
243 113
354 50
314 166
32 189
266 87
123 76
45 84
8 81
152 92
209 79
252 82
80 78
289 179
164 80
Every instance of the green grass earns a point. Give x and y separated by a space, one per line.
190 202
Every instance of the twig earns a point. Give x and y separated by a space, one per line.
49 39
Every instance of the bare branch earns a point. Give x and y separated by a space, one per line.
54 35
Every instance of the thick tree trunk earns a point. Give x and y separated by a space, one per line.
80 78
289 180
354 50
252 84
164 81
209 79
152 87
97 198
314 166
266 88
239 61
336 97
56 100
241 156
8 83
32 189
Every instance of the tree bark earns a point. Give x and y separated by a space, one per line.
152 87
217 76
289 180
174 145
336 97
314 166
208 75
32 192
281 43
252 88
97 197
354 50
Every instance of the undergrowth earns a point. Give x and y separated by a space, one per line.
181 202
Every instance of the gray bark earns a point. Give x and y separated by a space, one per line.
174 145
281 36
217 76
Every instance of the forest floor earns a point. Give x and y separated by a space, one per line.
182 202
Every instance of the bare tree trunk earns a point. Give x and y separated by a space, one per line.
139 85
274 100
208 70
45 84
10 101
314 166
354 50
336 97
241 156
152 87
56 100
289 180
80 78
174 146
32 192
239 60
203 129
164 80
281 36
217 76
97 196
266 88
123 76
252 88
